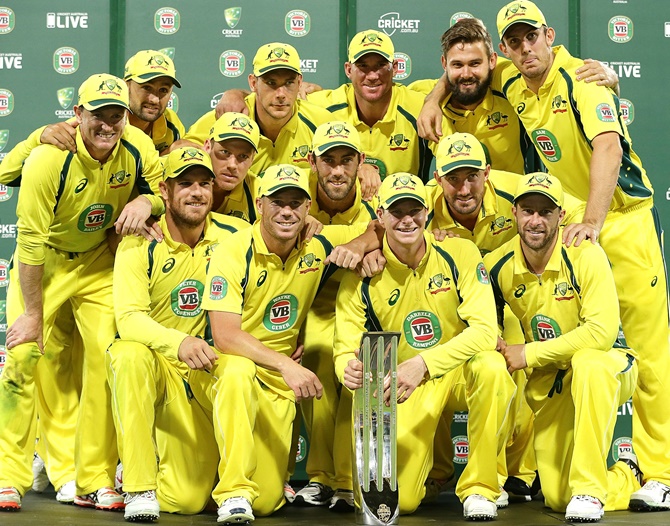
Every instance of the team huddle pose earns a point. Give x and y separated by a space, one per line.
178 299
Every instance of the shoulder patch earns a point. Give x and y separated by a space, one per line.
482 275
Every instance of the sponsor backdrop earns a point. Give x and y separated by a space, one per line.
46 51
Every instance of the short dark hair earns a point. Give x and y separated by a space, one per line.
466 31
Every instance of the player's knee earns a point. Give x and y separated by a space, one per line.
587 363
268 502
234 371
185 503
128 357
409 499
487 366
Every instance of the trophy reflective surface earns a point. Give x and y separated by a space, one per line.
375 432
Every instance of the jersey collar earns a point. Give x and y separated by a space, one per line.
393 262
554 264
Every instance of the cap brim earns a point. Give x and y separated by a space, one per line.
146 77
187 167
404 195
227 136
532 23
267 69
469 163
283 186
101 103
364 52
320 150
541 192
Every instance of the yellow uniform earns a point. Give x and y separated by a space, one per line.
166 130
493 122
65 204
444 311
158 291
273 299
241 202
292 145
581 374
562 121
329 458
392 144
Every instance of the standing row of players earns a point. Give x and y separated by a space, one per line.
467 199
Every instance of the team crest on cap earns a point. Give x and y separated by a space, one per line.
191 153
371 39
158 62
113 87
242 124
459 147
403 181
516 9
289 173
539 180
278 54
338 130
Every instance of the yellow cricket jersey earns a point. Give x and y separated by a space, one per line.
166 130
392 144
564 118
68 201
444 309
573 305
158 287
272 297
292 145
495 224
241 202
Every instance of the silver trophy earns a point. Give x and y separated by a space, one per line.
375 432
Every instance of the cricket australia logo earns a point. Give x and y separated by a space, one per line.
299 154
278 54
422 329
439 283
496 120
281 313
559 105
185 298
232 16
404 182
309 263
338 130
515 10
499 225
119 179
539 180
242 124
563 291
371 39
459 148
544 328
398 142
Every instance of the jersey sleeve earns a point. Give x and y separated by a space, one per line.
349 322
12 164
477 309
424 86
597 109
225 282
132 300
599 313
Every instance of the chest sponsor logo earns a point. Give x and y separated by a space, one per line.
563 291
496 120
6 192
300 154
544 328
297 23
404 66
398 142
11 61
218 288
6 102
66 60
547 143
559 105
186 297
95 217
620 29
379 164
439 283
605 113
119 179
461 449
281 313
232 63
67 20
627 111
422 329
389 23
7 20
167 20
621 445
309 263
4 272
500 224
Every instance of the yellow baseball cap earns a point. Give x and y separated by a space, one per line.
283 176
233 125
149 64
519 12
182 159
276 56
402 186
540 183
458 150
334 134
101 90
371 41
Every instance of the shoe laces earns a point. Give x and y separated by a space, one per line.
587 498
148 494
656 485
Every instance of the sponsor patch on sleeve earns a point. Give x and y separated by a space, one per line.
218 288
605 113
482 275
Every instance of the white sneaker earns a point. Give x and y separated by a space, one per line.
103 499
314 494
342 500
503 500
289 492
235 510
653 496
584 508
10 499
478 508
40 478
67 492
141 506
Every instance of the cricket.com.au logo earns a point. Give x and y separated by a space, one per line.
389 23
232 63
297 23
232 17
620 29
404 66
7 20
167 20
6 102
65 98
66 60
